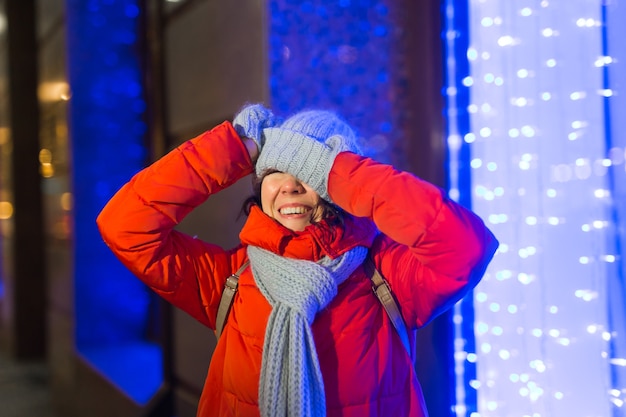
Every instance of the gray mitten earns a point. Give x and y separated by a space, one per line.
301 156
251 120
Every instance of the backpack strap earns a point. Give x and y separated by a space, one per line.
385 296
230 288
379 286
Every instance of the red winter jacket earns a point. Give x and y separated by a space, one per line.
430 249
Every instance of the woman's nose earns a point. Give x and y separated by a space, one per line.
291 185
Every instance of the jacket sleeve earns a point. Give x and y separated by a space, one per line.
138 222
431 250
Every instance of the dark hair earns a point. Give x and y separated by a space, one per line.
334 214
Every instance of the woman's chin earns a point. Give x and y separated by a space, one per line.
296 225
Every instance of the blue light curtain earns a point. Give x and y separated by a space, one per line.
548 174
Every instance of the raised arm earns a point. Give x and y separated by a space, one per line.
138 222
432 251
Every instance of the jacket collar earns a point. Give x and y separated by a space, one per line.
313 243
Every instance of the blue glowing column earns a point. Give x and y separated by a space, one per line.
107 132
614 63
455 35
540 178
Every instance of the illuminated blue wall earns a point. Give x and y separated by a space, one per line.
336 55
107 131
548 175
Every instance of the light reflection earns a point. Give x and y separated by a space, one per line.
54 91
6 210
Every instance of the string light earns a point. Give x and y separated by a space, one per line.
541 178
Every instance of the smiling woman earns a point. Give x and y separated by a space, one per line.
284 197
323 209
304 323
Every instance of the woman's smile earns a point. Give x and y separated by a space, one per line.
293 210
289 201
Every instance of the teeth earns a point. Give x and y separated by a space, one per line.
293 210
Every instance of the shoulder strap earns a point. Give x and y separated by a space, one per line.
230 288
379 286
383 292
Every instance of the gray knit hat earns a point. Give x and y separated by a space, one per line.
321 125
305 145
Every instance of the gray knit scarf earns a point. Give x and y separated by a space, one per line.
291 380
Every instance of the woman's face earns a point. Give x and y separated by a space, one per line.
292 203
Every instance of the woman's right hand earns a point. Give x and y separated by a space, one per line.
250 122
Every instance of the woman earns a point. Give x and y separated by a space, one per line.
305 335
